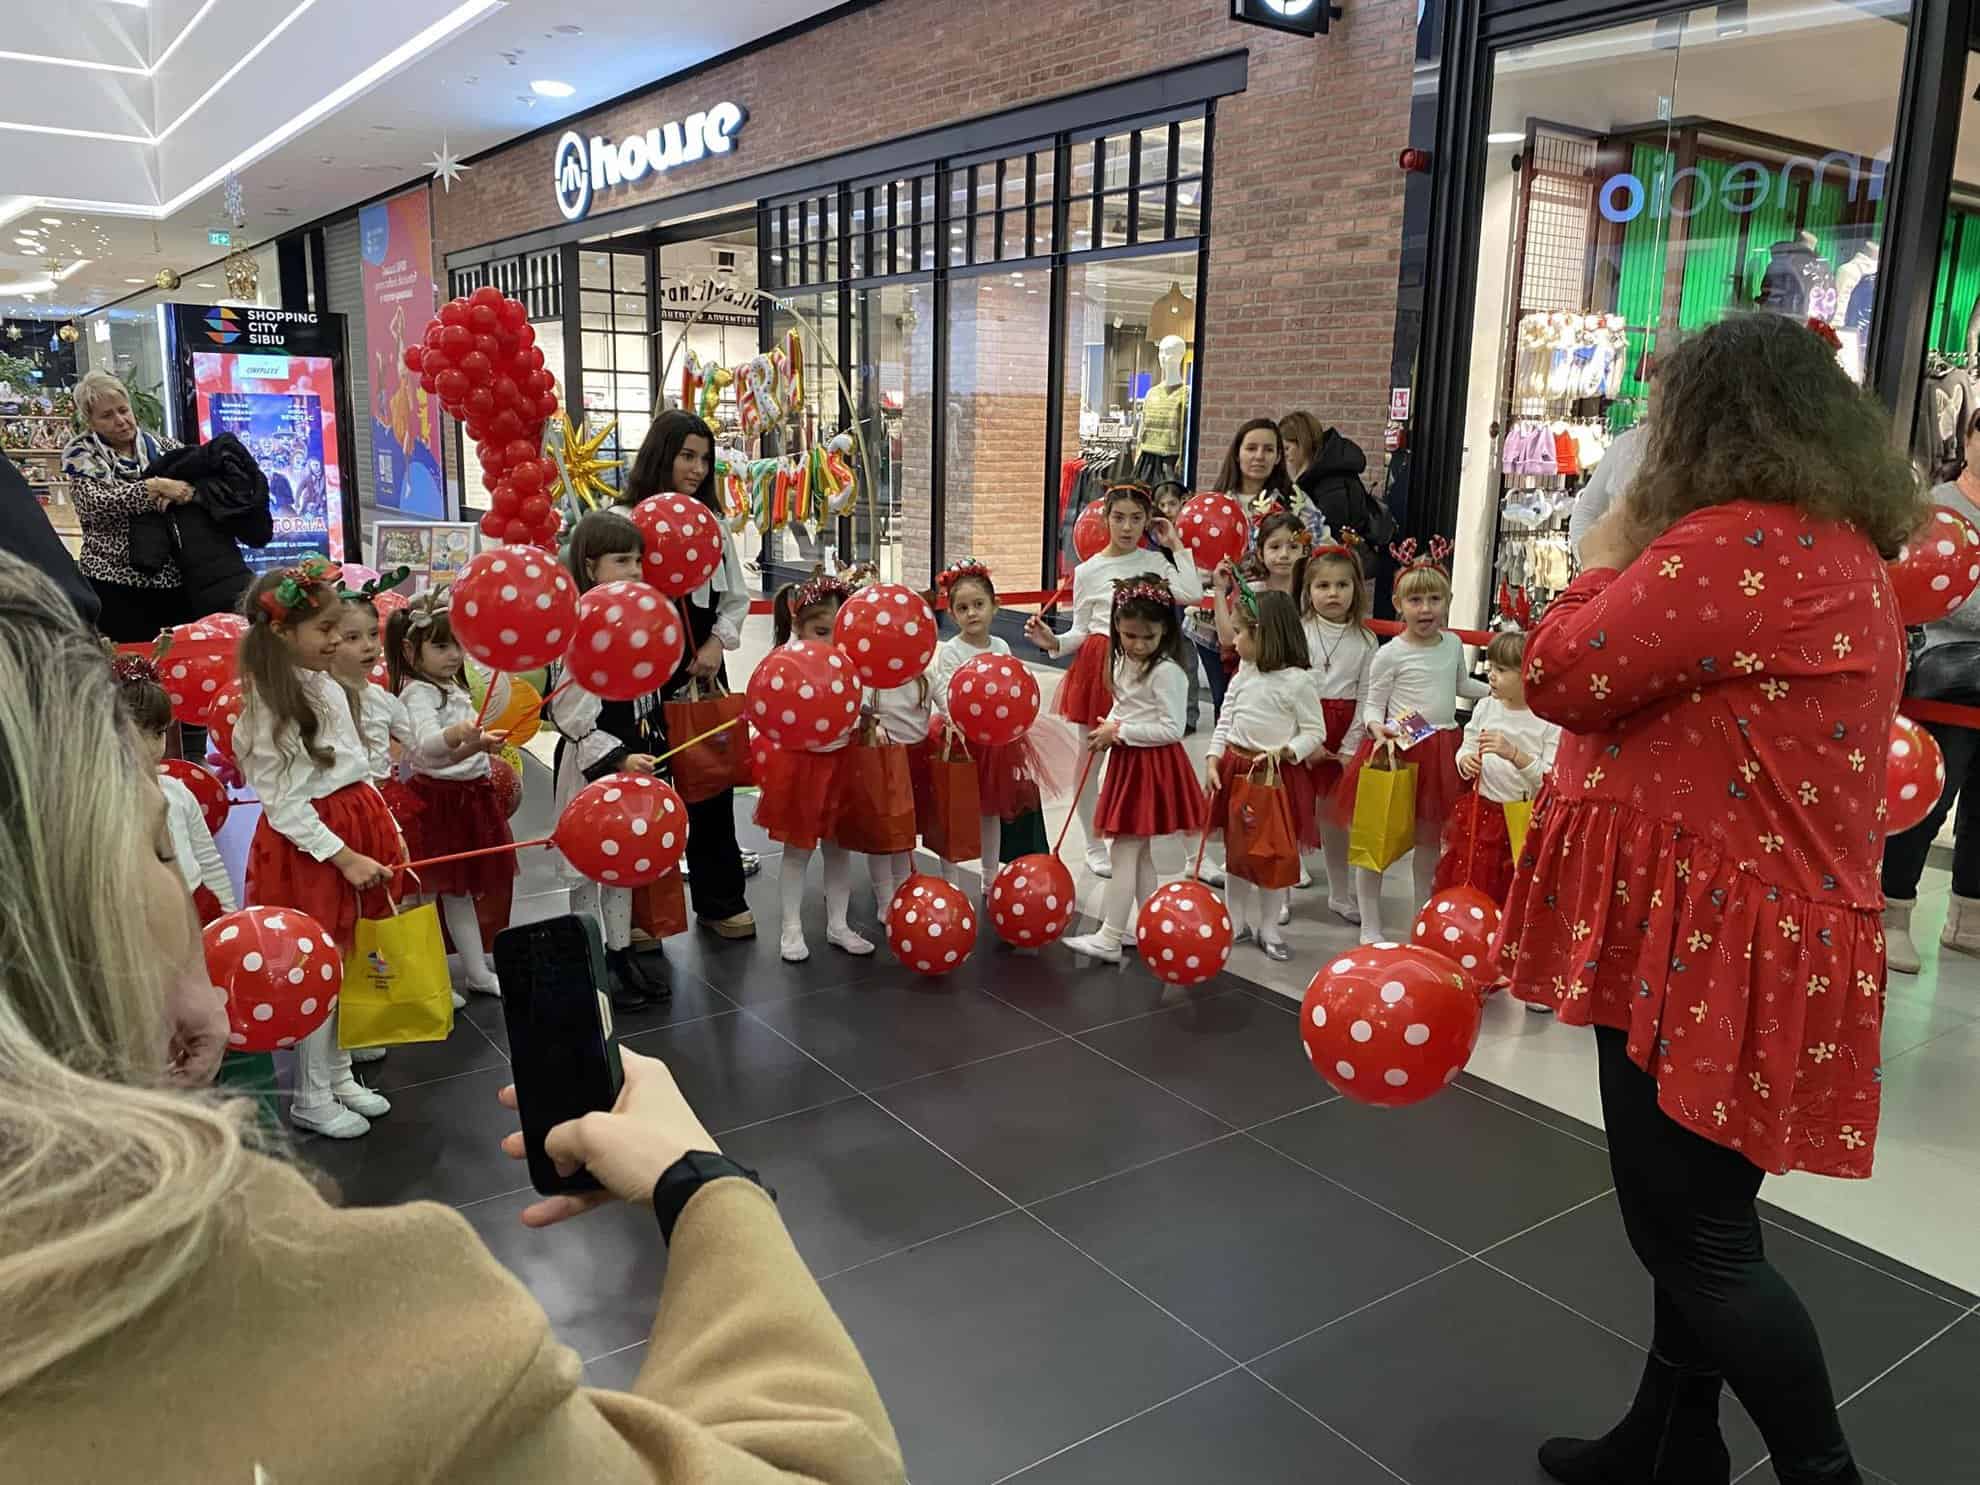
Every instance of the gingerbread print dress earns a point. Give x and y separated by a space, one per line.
1702 867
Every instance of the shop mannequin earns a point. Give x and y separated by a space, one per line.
1856 288
1164 417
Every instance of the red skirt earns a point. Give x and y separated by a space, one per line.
454 815
1477 848
1295 778
1085 696
206 905
1326 772
1438 785
802 796
1006 783
279 875
1149 791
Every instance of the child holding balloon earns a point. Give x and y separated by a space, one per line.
149 711
326 843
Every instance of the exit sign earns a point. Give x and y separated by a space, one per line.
220 239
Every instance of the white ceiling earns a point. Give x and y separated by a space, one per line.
120 119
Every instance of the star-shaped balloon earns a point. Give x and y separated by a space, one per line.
578 466
447 167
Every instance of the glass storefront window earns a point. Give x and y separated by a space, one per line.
1952 365
998 368
894 366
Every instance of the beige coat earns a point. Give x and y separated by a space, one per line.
384 1345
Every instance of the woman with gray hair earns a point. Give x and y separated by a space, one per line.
105 466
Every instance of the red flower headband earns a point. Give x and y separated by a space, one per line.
1823 330
1154 589
298 587
131 668
955 572
820 587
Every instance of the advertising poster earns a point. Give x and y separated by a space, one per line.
396 247
284 410
436 551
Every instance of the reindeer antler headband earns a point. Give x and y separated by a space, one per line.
428 606
1346 546
1407 560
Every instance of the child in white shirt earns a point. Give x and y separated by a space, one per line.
1506 753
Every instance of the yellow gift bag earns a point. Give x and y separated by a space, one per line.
1519 814
396 988
1384 829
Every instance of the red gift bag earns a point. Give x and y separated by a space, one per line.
878 818
660 908
953 829
715 763
1261 842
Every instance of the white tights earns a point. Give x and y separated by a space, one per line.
611 906
889 871
1133 879
1333 851
838 888
1254 907
1368 884
464 926
990 845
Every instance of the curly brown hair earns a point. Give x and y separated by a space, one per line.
1756 408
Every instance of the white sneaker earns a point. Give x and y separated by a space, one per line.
793 947
1243 935
1305 879
1348 910
359 1099
485 984
1098 862
367 1054
1093 946
459 999
851 942
335 1122
1285 914
1371 933
1211 874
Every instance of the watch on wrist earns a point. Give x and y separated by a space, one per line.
679 1182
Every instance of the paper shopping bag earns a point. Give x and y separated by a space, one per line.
1519 815
1384 828
878 818
953 829
715 763
660 908
396 988
1261 843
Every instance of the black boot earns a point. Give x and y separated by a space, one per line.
649 973
1669 1436
628 993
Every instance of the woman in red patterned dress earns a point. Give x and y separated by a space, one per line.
1701 878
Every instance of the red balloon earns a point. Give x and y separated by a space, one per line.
760 749
1938 569
526 339
804 695
454 312
888 632
487 295
1215 529
517 452
281 974
200 660
427 383
527 477
431 338
1390 1026
481 319
535 513
624 830
436 360
512 610
478 369
415 354
516 533
508 785
684 542
508 394
1090 534
1031 900
452 387
488 346
514 315
546 405
629 641
993 699
533 354
533 383
931 926
388 603
206 788
1183 933
494 525
505 425
223 715
457 340
1914 776
479 405
1460 923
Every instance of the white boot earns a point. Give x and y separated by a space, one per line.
1900 953
1962 926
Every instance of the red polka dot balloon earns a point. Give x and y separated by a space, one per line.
804 695
514 608
508 785
760 750
1914 776
222 717
1183 933
1938 569
199 660
1090 534
1215 529
1388 1025
993 699
1460 923
1031 900
624 830
629 639
684 542
931 926
280 972
888 632
206 788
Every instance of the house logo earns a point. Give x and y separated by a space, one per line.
582 168
222 328
573 174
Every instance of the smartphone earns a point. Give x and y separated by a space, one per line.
564 1055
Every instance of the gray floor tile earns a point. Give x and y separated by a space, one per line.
876 1033
1919 1425
735 1070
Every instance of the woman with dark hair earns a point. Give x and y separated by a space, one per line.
678 457
1700 878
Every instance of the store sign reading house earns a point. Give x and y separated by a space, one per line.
1745 187
582 168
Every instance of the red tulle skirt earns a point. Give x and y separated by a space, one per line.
206 905
1013 779
1149 791
1477 848
458 815
802 796
279 875
1326 772
400 800
1085 696
1437 782
1295 778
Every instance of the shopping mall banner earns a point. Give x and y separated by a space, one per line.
396 244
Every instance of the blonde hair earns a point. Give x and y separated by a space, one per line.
113 1187
1425 579
95 387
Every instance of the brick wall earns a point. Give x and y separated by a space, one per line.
1306 196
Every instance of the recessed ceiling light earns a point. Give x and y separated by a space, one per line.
204 285
52 221
549 87
1508 136
137 280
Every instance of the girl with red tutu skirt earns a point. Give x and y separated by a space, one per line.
1418 674
326 843
1150 788
149 711
896 723
1334 606
1507 752
451 783
1269 712
804 790
1084 696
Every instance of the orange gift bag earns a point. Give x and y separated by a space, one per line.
953 829
715 763
878 818
1261 842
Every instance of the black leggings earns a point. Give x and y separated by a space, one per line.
1720 1305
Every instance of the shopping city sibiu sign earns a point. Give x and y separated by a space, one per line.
583 168
1745 187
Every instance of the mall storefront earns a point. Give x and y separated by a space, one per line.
997 223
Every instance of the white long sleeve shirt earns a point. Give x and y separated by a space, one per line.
198 858
728 589
1339 656
1266 710
286 779
1532 734
903 712
951 655
1093 585
382 721
432 710
1151 706
1425 678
